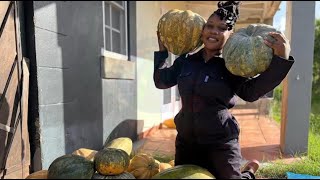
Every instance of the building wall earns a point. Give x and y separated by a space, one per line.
149 98
77 108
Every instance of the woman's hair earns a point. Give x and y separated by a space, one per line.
229 11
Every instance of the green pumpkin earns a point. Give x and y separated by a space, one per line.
184 172
245 52
111 161
124 175
71 167
180 31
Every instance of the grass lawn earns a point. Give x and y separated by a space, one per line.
163 157
309 164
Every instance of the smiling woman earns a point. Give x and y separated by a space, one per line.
206 129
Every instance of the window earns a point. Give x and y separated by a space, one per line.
115 27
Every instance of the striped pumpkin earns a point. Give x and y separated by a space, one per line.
180 31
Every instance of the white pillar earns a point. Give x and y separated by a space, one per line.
296 97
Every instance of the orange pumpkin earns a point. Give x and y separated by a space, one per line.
42 174
170 123
171 163
163 166
143 166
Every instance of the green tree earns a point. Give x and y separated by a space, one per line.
316 65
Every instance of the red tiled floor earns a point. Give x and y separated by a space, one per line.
151 145
259 137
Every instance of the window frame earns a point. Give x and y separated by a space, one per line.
111 53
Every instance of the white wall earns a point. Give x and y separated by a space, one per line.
150 99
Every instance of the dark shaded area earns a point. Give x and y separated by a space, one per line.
4 115
28 49
127 128
80 39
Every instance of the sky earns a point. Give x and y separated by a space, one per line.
279 20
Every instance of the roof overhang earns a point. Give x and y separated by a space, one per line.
251 12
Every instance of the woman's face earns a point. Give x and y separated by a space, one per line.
215 33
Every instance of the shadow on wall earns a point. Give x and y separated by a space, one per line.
79 26
128 128
69 38
4 119
68 48
8 118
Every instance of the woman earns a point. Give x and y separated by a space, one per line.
207 133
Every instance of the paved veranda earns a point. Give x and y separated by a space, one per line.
259 138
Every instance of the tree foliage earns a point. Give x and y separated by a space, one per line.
316 63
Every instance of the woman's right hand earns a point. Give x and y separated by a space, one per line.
281 47
161 45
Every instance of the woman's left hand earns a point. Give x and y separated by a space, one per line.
281 46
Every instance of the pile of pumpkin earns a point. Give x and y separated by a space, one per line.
116 161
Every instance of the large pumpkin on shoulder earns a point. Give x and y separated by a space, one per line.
180 31
71 166
245 52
